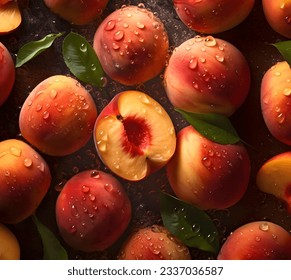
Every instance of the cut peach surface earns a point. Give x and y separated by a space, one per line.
274 177
134 135
10 17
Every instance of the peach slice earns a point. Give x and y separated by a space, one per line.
274 177
134 135
10 17
9 245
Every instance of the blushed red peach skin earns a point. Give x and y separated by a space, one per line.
24 180
207 75
92 211
260 240
132 45
213 16
206 174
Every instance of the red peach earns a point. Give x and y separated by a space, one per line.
77 12
92 211
258 240
206 174
24 180
278 15
58 116
213 16
7 71
132 45
207 75
9 245
153 243
275 101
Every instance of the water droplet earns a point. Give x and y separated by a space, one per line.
95 174
258 238
46 115
85 189
27 162
110 25
281 118
73 229
141 6
287 92
193 63
41 167
210 41
7 173
219 58
202 59
140 25
92 197
93 67
83 48
108 187
118 35
277 73
15 151
206 161
264 226
53 94
74 211
38 108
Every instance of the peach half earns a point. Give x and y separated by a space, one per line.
10 16
134 135
207 75
58 116
24 180
132 45
274 177
206 174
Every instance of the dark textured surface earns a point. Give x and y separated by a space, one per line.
252 37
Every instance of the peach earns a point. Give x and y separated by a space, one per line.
7 76
10 16
153 243
77 12
132 45
275 101
213 16
274 177
207 75
24 180
92 211
9 245
278 15
58 116
134 136
206 174
259 240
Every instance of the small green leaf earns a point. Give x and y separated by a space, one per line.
189 224
82 60
284 48
34 48
216 128
52 248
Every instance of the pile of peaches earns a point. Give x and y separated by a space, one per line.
135 136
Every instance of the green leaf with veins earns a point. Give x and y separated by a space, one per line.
189 224
82 60
284 48
52 248
214 127
34 48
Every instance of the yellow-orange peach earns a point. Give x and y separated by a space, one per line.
58 116
9 245
24 180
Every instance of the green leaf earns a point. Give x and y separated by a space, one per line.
82 60
284 48
216 128
52 248
189 224
34 48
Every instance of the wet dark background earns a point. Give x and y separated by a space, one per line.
253 37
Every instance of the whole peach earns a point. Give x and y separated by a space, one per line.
92 211
258 240
153 243
10 16
132 45
24 180
213 16
278 15
9 245
7 71
207 75
206 174
58 116
77 12
276 101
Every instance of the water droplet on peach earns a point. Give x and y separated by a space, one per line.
27 162
15 151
